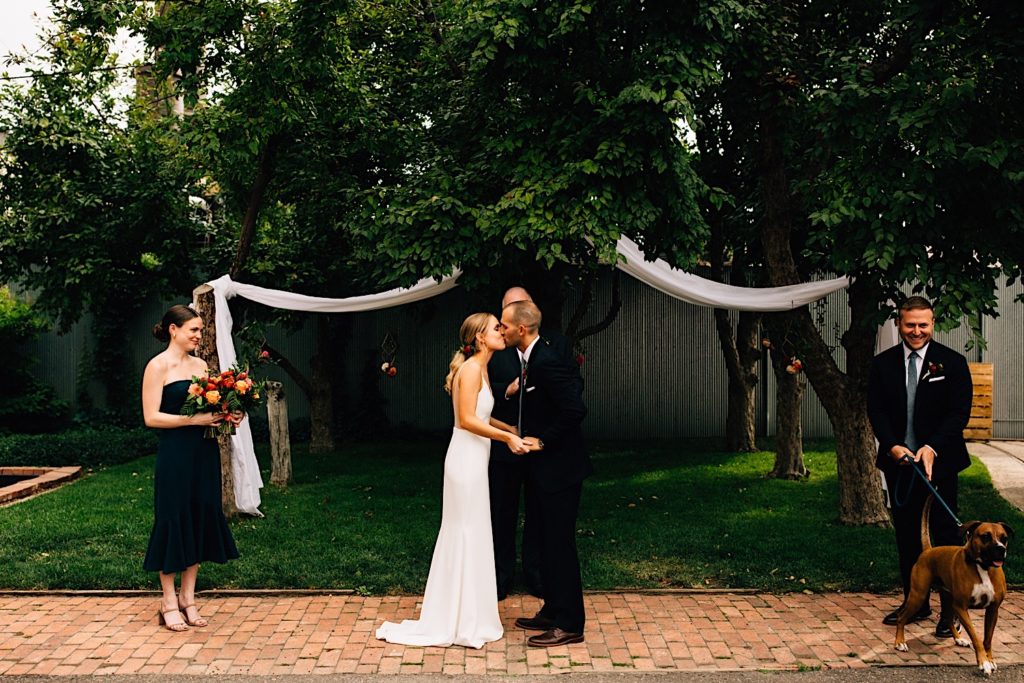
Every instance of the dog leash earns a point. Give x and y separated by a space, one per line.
924 478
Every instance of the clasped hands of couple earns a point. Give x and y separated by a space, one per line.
529 444
526 444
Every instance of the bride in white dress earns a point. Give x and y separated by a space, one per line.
460 606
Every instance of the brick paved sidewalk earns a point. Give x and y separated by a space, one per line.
334 634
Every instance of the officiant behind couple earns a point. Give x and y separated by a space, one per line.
460 604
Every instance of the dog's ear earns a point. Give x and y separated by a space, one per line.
969 528
1009 529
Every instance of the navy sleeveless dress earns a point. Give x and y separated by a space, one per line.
189 525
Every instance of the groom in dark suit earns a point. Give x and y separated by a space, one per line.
919 402
550 416
507 471
506 476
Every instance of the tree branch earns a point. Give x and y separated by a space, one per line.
613 311
252 211
581 309
885 69
293 372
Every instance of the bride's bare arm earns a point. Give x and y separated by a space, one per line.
468 381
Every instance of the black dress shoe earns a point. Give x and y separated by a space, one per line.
943 629
535 623
554 638
893 617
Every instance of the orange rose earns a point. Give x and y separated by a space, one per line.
242 386
195 389
213 397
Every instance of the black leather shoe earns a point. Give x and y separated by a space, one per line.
535 623
554 638
893 617
943 629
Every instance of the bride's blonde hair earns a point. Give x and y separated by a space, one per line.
471 326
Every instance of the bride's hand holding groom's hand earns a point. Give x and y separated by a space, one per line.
517 445
532 444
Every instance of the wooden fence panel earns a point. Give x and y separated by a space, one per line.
979 427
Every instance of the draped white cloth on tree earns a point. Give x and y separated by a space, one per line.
702 292
246 470
657 274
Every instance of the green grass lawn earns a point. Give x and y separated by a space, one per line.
654 515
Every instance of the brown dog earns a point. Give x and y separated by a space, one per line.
973 576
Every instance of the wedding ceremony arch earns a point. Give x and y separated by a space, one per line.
657 274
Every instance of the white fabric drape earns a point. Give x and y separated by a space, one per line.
702 292
657 274
246 470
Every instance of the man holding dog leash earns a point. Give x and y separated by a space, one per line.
919 402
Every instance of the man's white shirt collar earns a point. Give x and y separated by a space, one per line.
524 356
921 352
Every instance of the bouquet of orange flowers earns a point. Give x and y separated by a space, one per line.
229 391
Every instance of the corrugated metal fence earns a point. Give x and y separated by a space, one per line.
656 372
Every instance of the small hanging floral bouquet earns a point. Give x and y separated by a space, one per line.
229 391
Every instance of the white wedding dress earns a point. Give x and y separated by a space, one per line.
460 605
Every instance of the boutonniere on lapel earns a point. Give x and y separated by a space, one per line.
933 373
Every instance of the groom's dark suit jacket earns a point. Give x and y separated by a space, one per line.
502 371
942 406
553 411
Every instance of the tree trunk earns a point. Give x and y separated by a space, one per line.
741 355
741 348
789 447
205 306
321 406
844 397
280 444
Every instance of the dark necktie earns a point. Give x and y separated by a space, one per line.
522 390
910 437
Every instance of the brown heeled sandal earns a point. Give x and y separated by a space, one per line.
176 628
201 622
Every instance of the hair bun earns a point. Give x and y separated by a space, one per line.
160 333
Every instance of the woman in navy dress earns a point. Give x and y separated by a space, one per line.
189 527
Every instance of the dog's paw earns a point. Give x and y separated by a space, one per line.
987 668
962 642
902 647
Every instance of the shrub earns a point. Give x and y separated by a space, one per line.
86 447
26 405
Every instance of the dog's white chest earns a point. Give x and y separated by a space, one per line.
983 592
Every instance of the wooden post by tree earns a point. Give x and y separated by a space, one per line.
205 306
280 445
